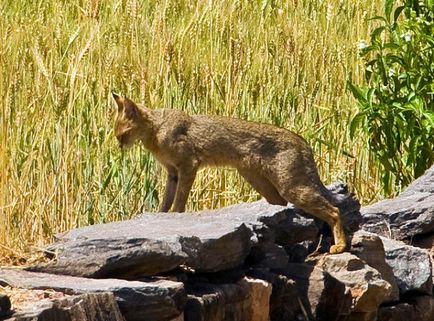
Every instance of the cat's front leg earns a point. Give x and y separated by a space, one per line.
169 193
186 176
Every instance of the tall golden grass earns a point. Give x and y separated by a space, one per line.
281 62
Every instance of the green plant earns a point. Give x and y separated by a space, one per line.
396 109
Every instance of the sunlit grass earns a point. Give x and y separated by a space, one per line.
282 63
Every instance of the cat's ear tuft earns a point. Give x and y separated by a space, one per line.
119 101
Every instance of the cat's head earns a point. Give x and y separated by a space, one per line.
129 122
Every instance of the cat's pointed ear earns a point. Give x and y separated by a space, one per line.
119 101
130 108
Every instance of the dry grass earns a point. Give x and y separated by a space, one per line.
279 62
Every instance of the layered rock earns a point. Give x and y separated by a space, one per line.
159 300
406 216
84 307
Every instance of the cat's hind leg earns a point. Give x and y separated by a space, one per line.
263 186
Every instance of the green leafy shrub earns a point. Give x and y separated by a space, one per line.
396 109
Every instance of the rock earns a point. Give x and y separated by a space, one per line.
267 255
420 308
423 184
217 302
152 244
323 297
289 226
5 305
348 205
365 284
285 303
259 305
246 300
153 301
369 247
426 242
405 216
84 307
411 266
113 255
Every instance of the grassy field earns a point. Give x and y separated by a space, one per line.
281 62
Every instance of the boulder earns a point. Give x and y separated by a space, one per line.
420 308
411 266
267 255
246 300
369 247
405 216
321 296
84 307
285 303
365 284
153 301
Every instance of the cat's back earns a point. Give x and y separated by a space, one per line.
237 129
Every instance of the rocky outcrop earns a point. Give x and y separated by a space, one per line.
247 262
208 241
406 216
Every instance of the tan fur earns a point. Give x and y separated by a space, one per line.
277 162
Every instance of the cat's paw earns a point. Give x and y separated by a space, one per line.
338 248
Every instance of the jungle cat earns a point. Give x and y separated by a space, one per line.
278 163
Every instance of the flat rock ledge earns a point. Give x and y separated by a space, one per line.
406 217
247 262
137 300
206 241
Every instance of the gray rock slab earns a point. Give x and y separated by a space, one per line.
205 241
411 266
405 216
138 301
84 307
